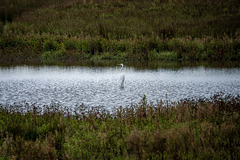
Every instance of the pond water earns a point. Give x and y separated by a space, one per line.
101 85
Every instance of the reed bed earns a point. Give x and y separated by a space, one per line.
188 129
123 29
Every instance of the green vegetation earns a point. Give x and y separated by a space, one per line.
202 129
124 29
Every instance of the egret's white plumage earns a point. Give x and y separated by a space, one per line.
121 65
122 77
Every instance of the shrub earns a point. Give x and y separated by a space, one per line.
199 129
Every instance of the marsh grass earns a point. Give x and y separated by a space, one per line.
188 129
122 29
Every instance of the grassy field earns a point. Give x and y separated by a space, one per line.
200 129
124 29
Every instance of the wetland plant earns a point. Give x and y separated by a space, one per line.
125 29
188 129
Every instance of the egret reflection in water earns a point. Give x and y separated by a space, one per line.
122 77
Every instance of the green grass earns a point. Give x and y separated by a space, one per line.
202 129
125 29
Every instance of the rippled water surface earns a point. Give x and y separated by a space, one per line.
100 86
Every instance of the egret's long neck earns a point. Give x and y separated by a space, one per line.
122 68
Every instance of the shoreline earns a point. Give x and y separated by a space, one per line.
140 132
175 49
119 30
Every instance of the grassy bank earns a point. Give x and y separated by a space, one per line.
203 129
125 29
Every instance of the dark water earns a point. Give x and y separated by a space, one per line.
100 85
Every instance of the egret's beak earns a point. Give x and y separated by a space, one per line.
118 64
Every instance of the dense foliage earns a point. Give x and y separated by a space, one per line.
123 29
188 129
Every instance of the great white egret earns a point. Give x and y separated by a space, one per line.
122 78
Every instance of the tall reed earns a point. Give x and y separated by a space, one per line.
188 129
145 30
